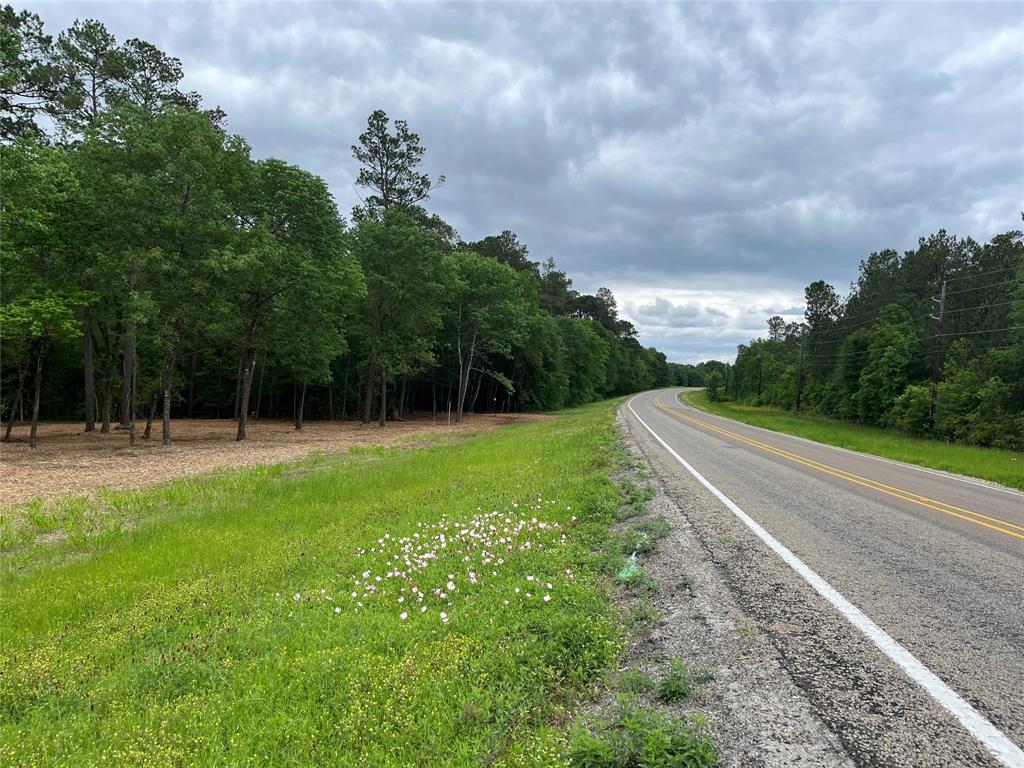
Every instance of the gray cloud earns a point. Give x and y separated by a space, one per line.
726 153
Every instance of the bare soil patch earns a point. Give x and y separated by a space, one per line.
69 460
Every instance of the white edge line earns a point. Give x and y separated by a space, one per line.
1004 750
948 475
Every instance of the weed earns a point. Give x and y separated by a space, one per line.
635 681
634 736
688 582
642 537
679 683
725 538
643 615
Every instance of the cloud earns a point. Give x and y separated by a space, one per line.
693 158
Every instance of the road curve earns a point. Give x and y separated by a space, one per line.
935 561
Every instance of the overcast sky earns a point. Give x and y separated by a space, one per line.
705 162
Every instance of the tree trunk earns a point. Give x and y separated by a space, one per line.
368 401
476 393
399 403
238 384
169 359
89 381
344 393
330 403
22 371
433 399
108 400
383 398
193 362
464 375
247 372
127 363
37 386
149 417
301 408
259 388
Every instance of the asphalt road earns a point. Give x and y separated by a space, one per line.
935 561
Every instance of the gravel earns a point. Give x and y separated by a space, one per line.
759 717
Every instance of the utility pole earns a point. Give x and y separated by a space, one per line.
936 348
800 375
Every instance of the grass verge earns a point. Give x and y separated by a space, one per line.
441 606
999 466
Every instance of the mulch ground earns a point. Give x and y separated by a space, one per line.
69 460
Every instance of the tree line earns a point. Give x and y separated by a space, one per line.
930 341
153 268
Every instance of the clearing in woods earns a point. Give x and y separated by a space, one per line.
69 460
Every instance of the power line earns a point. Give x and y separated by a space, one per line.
981 287
984 306
826 342
982 274
971 333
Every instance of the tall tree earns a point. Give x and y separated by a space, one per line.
389 163
486 314
389 166
291 254
405 284
27 76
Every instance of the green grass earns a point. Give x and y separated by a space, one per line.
638 737
999 466
211 621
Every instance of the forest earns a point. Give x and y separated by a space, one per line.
153 268
930 342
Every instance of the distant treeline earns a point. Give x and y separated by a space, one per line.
930 341
152 268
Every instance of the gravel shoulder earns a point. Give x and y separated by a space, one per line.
758 715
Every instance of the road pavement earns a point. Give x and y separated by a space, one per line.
932 564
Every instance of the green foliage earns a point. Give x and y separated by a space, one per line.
176 245
679 683
635 681
636 736
911 411
713 384
210 621
868 358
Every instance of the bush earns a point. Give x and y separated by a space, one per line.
714 386
912 410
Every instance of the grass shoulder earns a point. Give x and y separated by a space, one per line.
1000 466
437 606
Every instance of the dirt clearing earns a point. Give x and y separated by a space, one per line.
69 460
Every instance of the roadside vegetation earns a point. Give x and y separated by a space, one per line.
999 466
154 269
443 605
929 342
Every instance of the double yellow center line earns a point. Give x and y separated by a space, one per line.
993 523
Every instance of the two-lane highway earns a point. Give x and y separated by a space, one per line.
933 564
